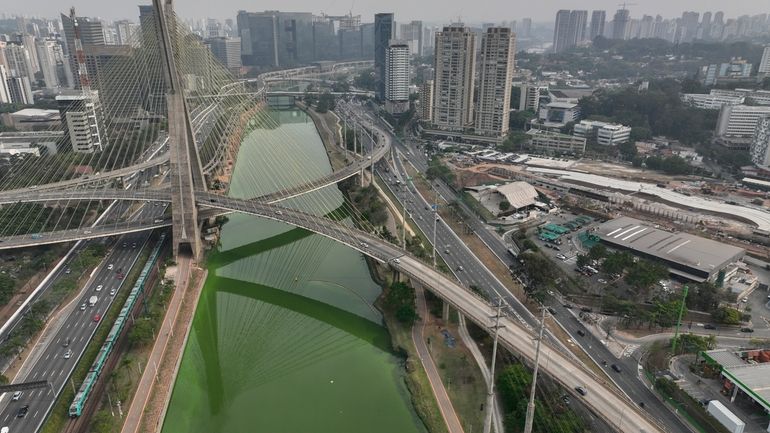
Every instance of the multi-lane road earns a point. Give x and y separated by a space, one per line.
456 254
74 332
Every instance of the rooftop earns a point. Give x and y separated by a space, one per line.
751 376
518 194
37 112
682 248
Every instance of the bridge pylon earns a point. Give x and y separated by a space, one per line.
185 168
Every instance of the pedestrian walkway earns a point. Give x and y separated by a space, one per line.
442 398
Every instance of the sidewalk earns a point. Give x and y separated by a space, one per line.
442 398
154 390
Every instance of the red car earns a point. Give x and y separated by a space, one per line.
97 318
120 276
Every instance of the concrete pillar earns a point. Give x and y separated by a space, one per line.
735 393
445 312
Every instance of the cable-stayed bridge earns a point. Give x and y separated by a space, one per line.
169 123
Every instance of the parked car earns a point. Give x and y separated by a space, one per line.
747 329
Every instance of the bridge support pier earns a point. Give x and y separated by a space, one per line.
445 312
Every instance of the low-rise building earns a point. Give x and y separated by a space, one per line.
32 119
558 114
607 134
687 257
711 101
555 143
83 121
737 124
36 143
760 143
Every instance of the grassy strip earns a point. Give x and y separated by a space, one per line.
59 414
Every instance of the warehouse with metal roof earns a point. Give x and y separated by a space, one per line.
687 256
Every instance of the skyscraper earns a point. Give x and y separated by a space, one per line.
82 120
20 91
764 64
18 61
561 31
620 24
411 33
426 101
5 94
454 63
526 28
383 33
275 39
90 35
498 46
598 19
570 29
227 51
48 54
397 78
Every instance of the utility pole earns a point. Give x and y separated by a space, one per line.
491 385
403 224
435 223
531 404
679 321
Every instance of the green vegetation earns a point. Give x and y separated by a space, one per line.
670 164
551 413
727 315
438 170
367 201
691 343
400 300
659 110
34 320
24 218
365 80
326 102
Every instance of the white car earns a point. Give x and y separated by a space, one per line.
68 354
99 288
112 292
16 396
110 266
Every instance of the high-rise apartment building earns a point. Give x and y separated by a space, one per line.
17 57
498 46
620 24
764 64
760 144
5 94
126 33
412 34
49 55
227 51
275 39
82 121
530 97
20 91
384 26
426 100
525 30
598 19
454 65
397 78
570 29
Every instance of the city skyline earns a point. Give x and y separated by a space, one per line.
490 11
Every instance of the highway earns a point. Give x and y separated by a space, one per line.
474 273
78 326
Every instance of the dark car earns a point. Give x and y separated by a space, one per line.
616 368
747 330
709 326
581 333
22 411
585 309
552 311
580 390
568 306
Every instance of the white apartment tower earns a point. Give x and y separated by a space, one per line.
82 120
397 77
498 46
455 67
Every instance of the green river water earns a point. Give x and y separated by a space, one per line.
285 337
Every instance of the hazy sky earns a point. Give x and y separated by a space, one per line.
438 11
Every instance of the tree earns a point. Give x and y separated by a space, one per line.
583 260
513 142
365 80
400 300
505 205
628 150
325 102
539 269
727 315
597 252
7 286
142 332
102 421
520 118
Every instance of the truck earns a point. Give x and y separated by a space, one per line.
92 300
725 417
37 236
